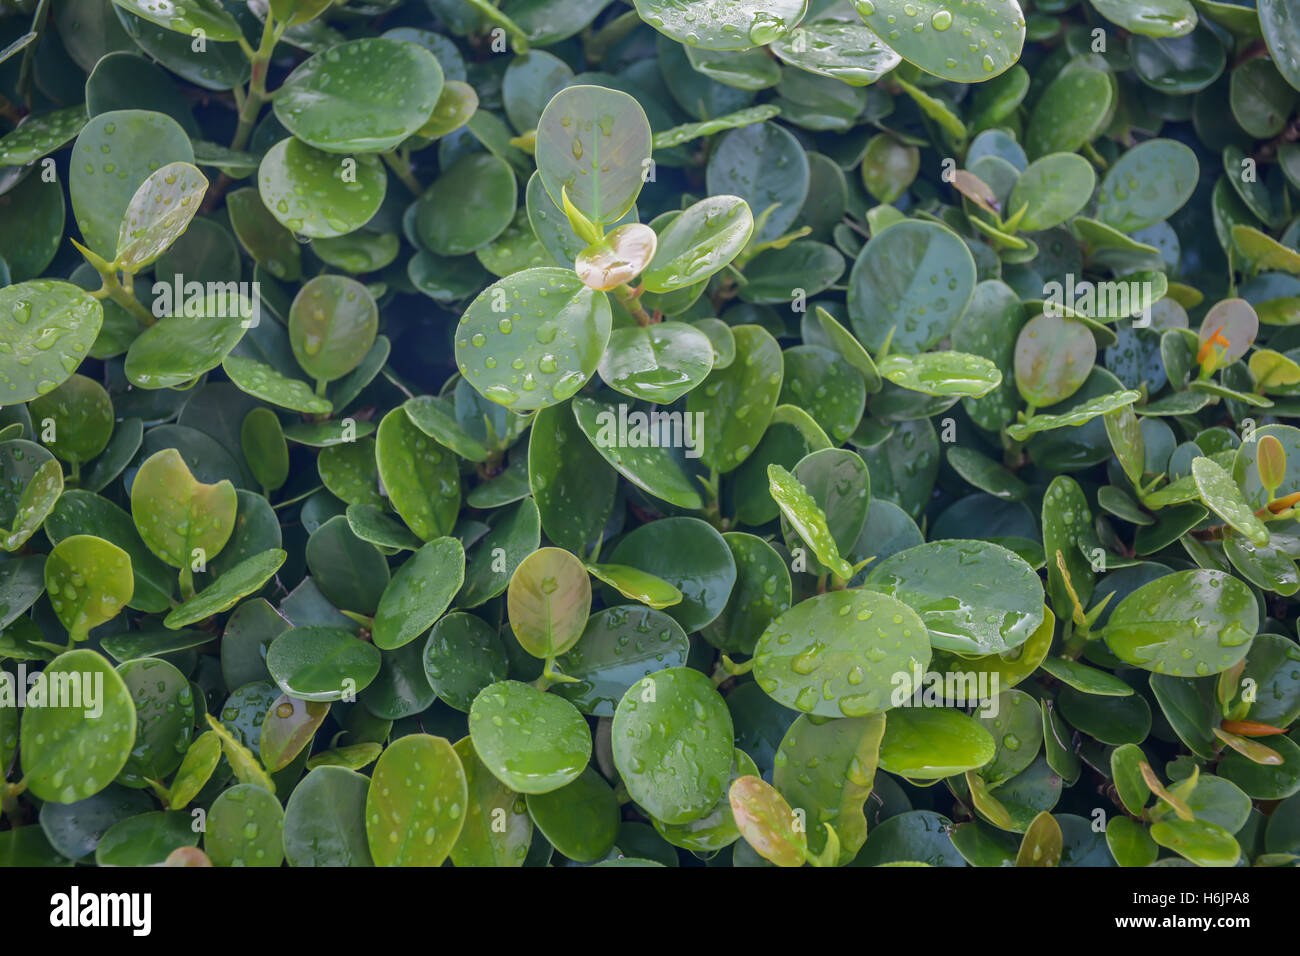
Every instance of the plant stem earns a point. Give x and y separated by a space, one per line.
631 301
401 167
114 291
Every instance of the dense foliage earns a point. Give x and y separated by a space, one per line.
738 431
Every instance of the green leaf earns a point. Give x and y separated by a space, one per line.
159 212
88 581
933 743
552 755
543 320
1222 496
839 654
343 100
321 663
1185 624
672 743
48 327
317 194
180 518
94 714
245 578
549 599
593 143
960 45
415 807
420 590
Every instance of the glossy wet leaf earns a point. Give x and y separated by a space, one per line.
659 363
88 581
48 326
767 822
691 556
593 142
699 242
1186 624
483 840
549 598
931 743
974 597
307 191
913 280
672 743
66 756
552 755
332 323
737 402
418 593
962 45
533 339
320 663
342 100
419 475
415 807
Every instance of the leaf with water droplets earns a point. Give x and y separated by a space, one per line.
186 16
573 486
1185 624
673 744
343 100
332 324
1152 18
839 654
420 590
549 599
74 746
420 476
966 43
533 338
322 663
46 328
594 143
232 586
245 827
1222 496
909 285
115 154
975 597
325 819
498 829
531 741
698 242
416 804
767 821
659 363
318 194
159 212
930 743
177 515
88 581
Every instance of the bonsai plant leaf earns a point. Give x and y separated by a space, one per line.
841 653
1222 496
550 757
975 597
462 656
419 475
180 518
289 726
737 402
659 363
195 770
618 647
88 581
804 514
617 258
232 586
325 819
644 461
70 753
159 212
571 483
895 268
48 327
678 773
549 600
181 346
767 822
115 153
415 806
343 101
932 743
76 418
1155 627
699 242
533 339
418 593
637 585
245 827
593 143
332 324
318 194
482 840
207 16
38 494
262 381
958 45
321 663
580 819
942 373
